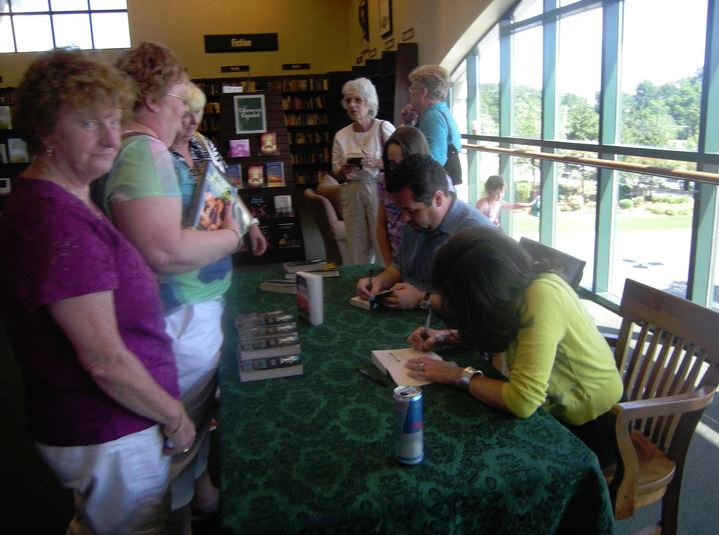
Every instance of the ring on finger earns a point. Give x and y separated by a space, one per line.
421 366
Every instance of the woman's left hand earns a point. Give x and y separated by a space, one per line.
258 240
437 371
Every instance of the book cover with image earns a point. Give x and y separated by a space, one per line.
234 174
275 174
255 176
239 148
268 143
207 206
258 207
17 150
283 206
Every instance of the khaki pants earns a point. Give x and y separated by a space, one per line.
359 210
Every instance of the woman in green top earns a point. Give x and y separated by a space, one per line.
502 303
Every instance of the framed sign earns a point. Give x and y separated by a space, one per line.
250 117
385 17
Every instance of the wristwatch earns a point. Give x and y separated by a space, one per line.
466 376
426 303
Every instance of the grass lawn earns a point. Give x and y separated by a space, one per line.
582 221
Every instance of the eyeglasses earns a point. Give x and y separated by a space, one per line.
356 100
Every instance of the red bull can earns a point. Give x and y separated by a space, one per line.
409 439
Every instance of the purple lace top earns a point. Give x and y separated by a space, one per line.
395 225
52 247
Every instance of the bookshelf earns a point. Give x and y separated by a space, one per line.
305 106
8 169
280 225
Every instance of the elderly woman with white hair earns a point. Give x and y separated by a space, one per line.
356 162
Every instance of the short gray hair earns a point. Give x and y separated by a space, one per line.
434 78
366 90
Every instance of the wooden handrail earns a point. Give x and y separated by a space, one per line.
597 162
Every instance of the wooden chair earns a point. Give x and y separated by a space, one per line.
331 227
570 267
667 353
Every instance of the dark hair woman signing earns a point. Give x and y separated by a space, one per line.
501 302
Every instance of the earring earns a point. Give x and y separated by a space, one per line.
49 152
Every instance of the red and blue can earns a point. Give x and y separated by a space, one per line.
409 439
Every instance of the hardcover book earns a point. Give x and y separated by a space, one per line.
234 174
250 373
207 206
258 207
283 286
268 143
283 206
279 346
275 174
392 362
17 150
311 264
239 148
310 297
255 176
262 319
273 329
288 235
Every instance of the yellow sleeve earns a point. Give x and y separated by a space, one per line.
532 356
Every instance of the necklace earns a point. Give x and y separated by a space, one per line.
363 138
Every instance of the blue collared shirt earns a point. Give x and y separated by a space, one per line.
416 253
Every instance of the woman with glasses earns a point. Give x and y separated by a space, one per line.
144 199
357 162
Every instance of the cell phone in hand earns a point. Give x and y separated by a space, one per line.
356 161
377 300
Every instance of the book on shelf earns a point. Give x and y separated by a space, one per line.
258 206
234 174
283 206
283 286
392 362
271 368
311 264
310 297
288 235
5 118
262 319
275 172
3 153
255 176
239 148
268 346
17 150
268 143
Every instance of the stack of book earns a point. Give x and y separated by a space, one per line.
318 266
268 345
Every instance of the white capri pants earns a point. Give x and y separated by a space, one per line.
196 332
119 486
359 210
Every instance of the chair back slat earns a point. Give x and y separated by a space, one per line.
667 346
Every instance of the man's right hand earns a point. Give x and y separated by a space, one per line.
364 289
409 115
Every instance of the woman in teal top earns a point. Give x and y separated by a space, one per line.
502 303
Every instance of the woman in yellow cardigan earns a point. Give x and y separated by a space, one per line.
501 303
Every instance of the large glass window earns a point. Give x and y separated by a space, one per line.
525 187
36 25
527 83
488 80
662 60
653 234
578 76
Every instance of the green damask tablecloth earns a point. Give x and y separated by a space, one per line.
313 454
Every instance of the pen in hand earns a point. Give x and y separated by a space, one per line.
425 334
371 272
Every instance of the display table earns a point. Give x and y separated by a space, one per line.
313 454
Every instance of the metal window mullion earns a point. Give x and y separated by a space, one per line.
472 115
505 110
607 182
548 182
705 224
